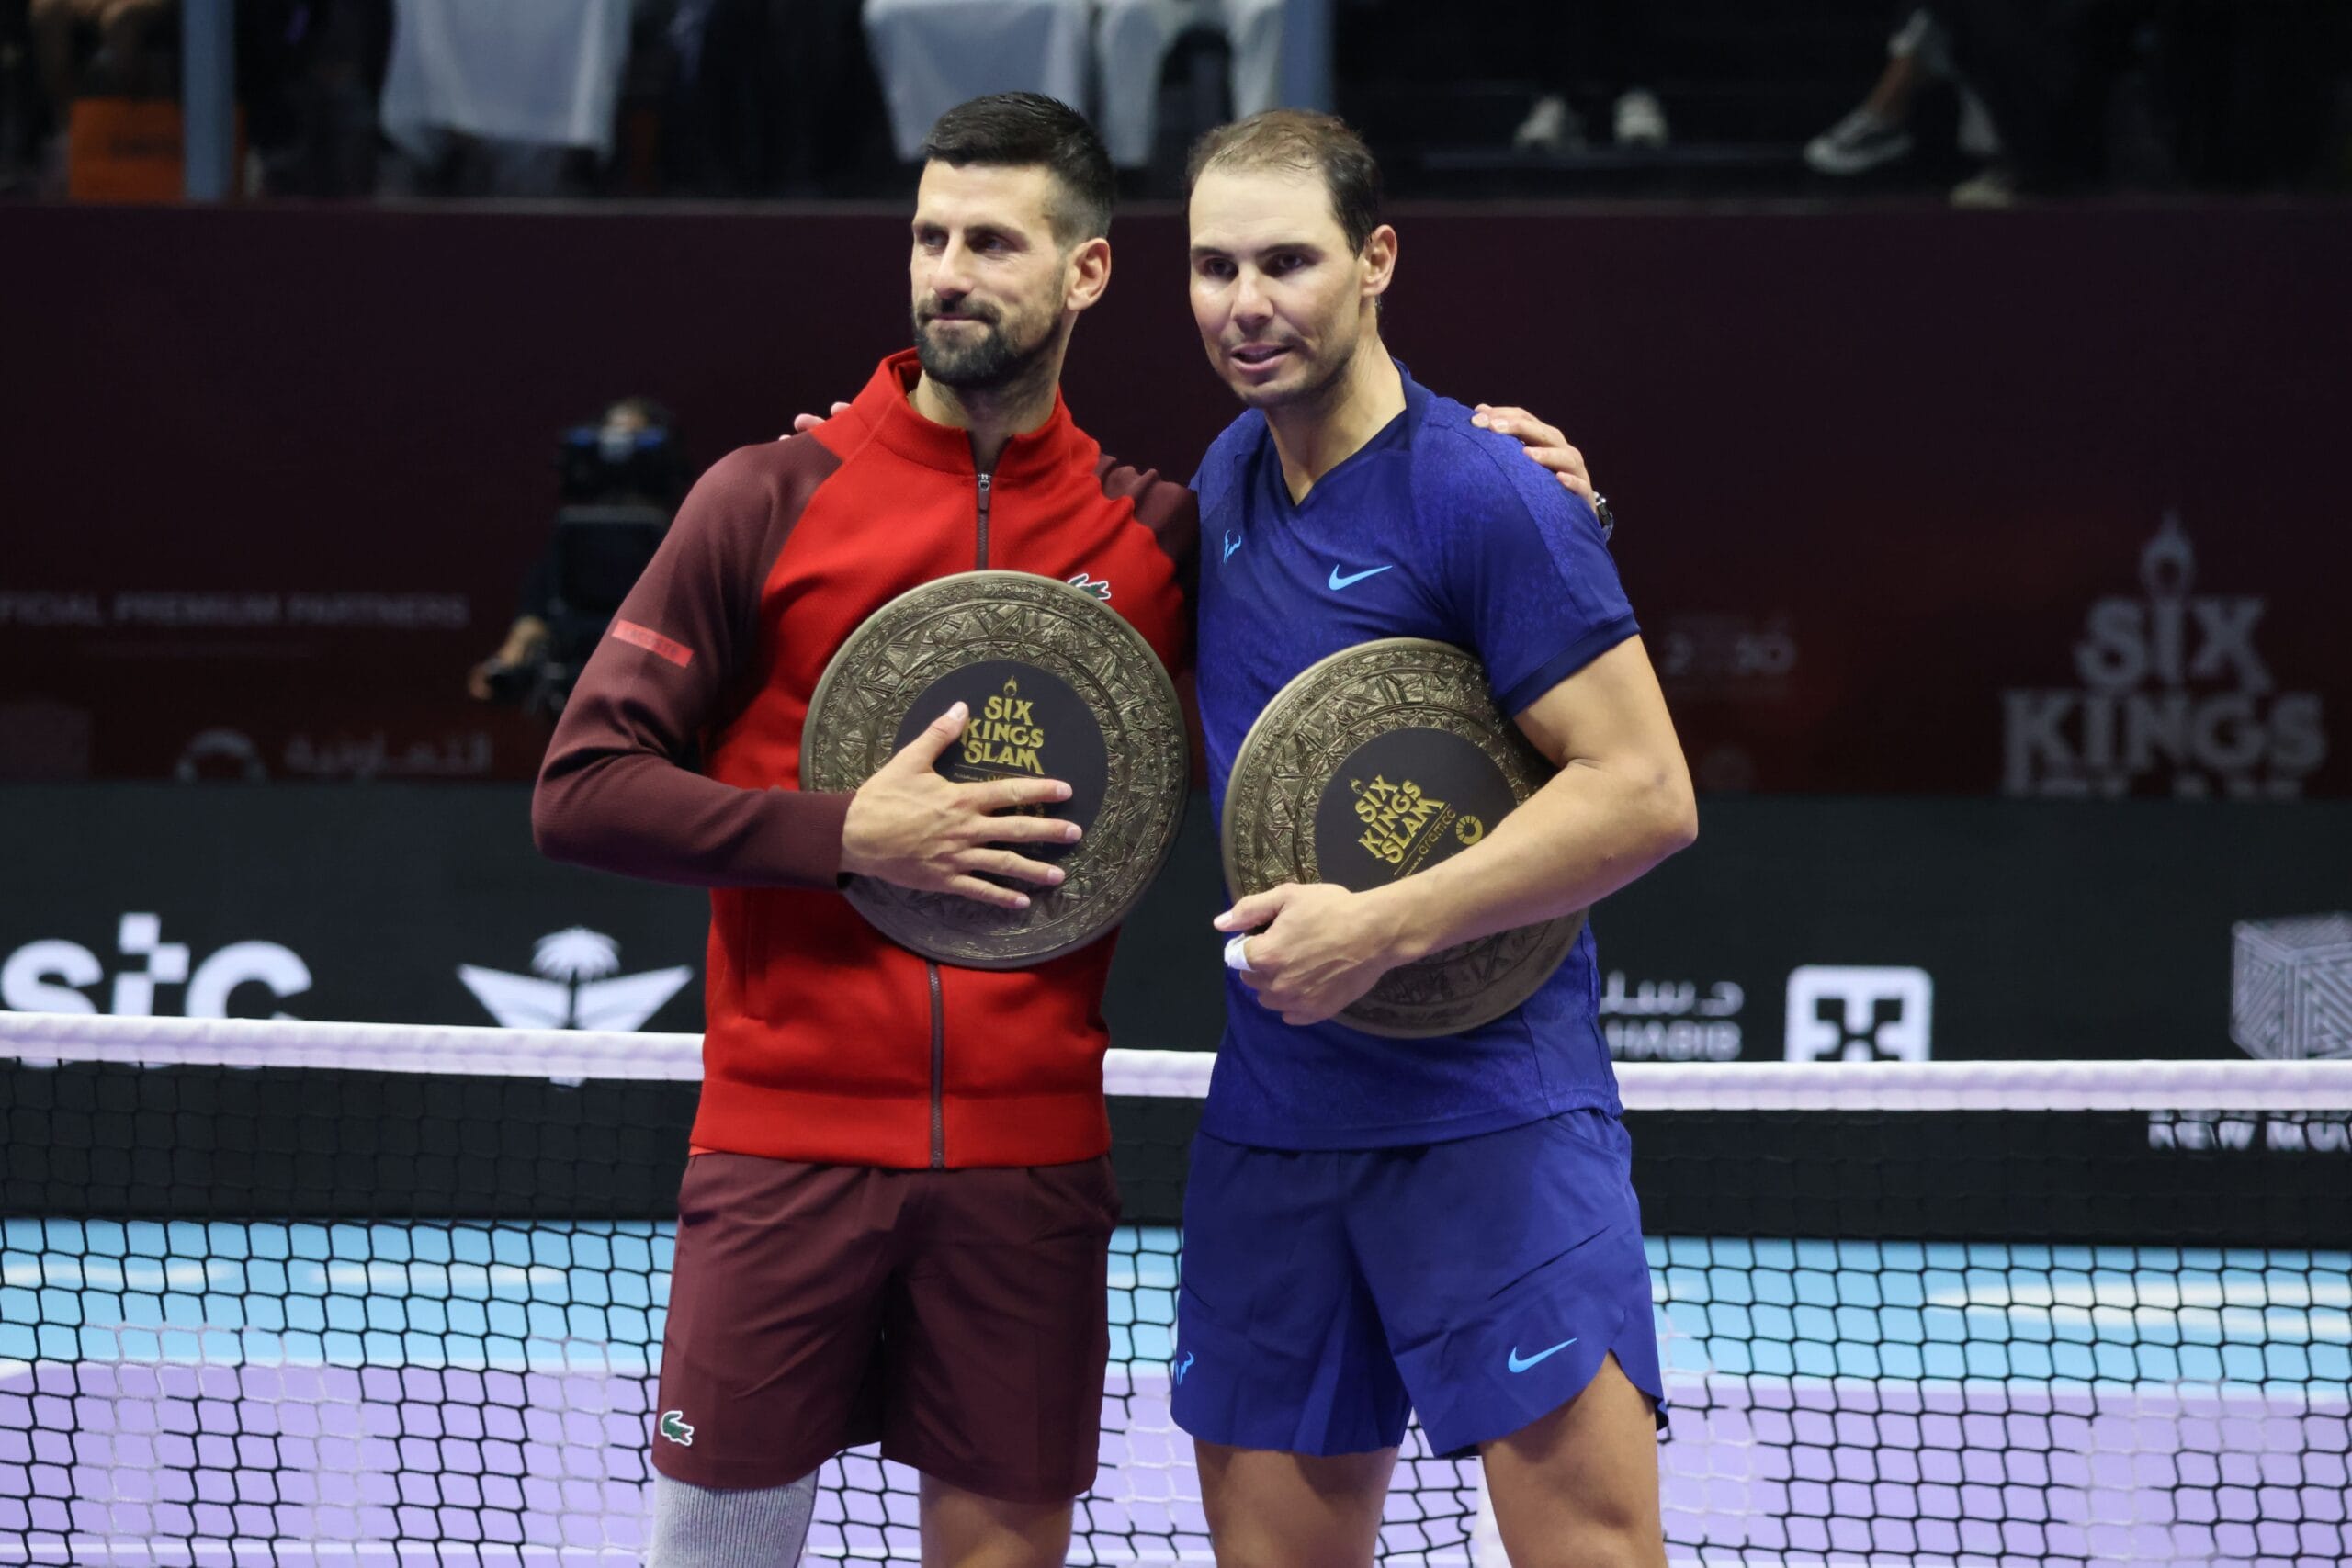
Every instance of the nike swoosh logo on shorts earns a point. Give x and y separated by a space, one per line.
1338 582
1518 1365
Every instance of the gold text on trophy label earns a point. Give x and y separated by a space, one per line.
1403 823
1005 737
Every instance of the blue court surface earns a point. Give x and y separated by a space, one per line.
192 1393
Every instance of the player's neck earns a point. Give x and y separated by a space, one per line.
1316 435
992 416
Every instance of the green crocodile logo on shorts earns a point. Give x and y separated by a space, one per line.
675 1428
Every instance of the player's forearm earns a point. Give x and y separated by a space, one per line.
612 795
641 815
1584 835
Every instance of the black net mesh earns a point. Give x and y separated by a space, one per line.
295 1316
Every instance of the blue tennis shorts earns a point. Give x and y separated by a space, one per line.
1480 1281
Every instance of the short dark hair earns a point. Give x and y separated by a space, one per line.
1026 129
1307 141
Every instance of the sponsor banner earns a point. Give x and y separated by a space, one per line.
392 905
1861 929
2170 696
1858 1013
2052 544
1795 930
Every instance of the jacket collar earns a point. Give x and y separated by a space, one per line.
884 407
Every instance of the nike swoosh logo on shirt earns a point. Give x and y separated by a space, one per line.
1518 1365
1338 582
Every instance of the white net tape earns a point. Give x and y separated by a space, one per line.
579 1055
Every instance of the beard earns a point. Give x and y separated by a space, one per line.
988 362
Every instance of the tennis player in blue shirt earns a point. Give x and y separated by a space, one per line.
1375 1224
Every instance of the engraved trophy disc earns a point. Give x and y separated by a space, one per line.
1059 687
1379 761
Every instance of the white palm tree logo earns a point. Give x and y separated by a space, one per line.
575 984
576 954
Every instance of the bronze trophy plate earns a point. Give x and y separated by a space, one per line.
1376 762
1059 686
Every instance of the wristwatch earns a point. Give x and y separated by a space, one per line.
1602 516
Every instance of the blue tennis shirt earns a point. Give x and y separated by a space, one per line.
1437 529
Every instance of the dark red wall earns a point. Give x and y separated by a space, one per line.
1876 470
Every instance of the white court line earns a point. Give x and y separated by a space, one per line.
2286 1292
177 1552
148 1554
74 1550
1693 1389
188 1276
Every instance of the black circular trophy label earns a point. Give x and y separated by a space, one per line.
1025 723
1057 686
1402 803
1372 766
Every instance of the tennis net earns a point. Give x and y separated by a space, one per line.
293 1292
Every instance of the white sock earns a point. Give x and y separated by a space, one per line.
703 1526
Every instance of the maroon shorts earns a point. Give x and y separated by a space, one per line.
959 1317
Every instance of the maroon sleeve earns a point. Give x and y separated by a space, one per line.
614 792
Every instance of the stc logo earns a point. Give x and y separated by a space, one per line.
54 975
1849 1014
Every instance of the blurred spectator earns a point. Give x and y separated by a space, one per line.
934 54
304 71
525 80
2255 95
620 482
110 48
2043 69
766 98
2093 94
309 73
20 106
101 46
1878 131
1606 46
1132 41
1110 54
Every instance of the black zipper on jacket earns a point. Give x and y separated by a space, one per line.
938 1070
938 1004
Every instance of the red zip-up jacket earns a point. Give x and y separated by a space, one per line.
826 1042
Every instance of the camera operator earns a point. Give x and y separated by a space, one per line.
621 481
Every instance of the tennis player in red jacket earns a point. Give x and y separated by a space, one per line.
895 1220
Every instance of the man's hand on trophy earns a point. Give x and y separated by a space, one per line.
1312 949
909 826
